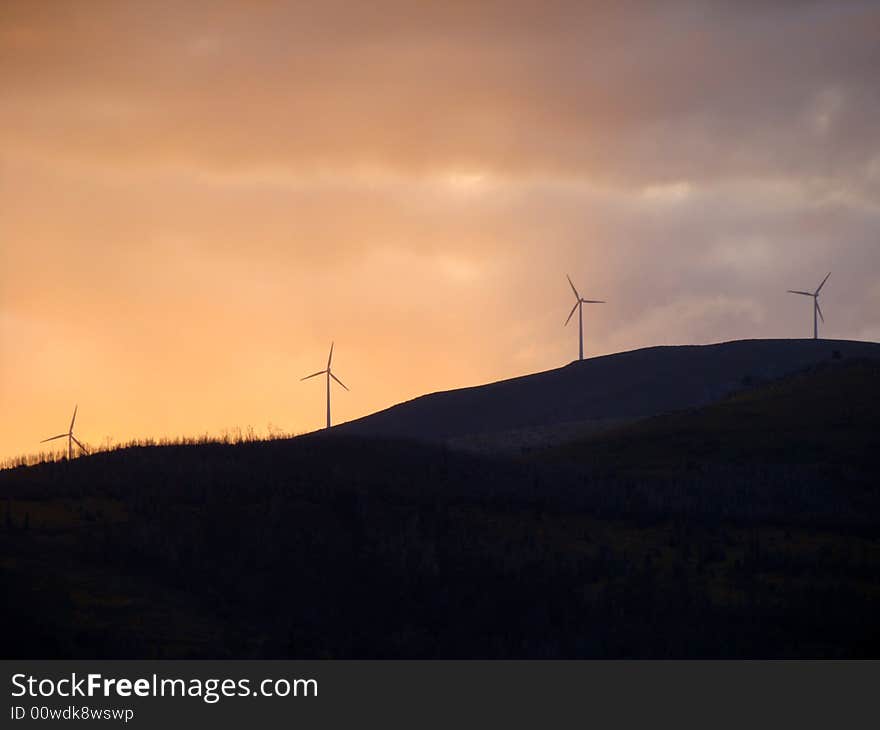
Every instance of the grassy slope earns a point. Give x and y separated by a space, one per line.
829 415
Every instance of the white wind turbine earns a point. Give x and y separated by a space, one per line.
71 439
330 374
579 305
817 310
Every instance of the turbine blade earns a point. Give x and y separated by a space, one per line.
52 438
819 310
805 293
320 372
338 381
571 313
82 448
823 282
572 286
74 417
329 359
592 301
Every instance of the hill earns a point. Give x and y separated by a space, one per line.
738 529
827 414
602 391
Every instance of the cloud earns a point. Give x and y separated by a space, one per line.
199 195
618 90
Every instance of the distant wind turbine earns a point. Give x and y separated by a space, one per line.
817 310
579 306
71 439
330 374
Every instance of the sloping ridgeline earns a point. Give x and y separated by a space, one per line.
623 386
694 535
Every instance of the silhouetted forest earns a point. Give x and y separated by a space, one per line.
744 529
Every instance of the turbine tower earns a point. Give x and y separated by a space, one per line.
329 374
817 310
71 439
579 305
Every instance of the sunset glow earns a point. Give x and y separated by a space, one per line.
197 198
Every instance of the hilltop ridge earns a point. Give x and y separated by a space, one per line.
605 389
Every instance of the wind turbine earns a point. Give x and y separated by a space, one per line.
817 310
579 305
71 439
330 374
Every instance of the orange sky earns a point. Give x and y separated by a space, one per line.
196 198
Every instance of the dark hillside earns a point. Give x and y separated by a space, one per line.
736 530
625 385
828 415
